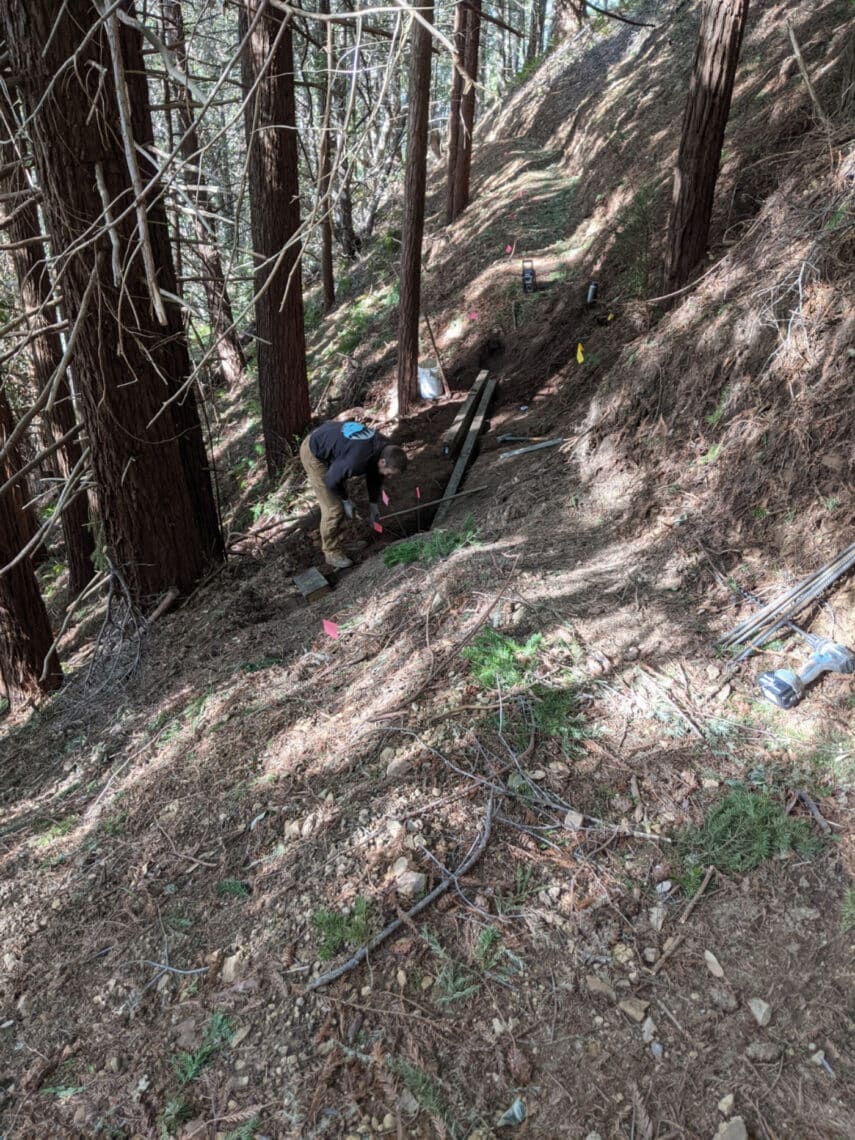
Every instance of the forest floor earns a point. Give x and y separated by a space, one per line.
187 848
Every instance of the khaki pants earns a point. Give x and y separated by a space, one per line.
332 512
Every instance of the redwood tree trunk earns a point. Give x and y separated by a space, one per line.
275 206
150 465
704 122
25 633
25 518
224 335
459 41
467 108
414 212
18 209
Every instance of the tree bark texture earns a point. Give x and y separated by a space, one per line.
268 63
152 475
704 122
325 172
472 35
25 518
418 99
224 336
22 226
25 633
459 40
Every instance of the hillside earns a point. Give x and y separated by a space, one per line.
189 839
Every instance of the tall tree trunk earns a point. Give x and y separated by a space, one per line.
534 47
130 354
467 108
18 209
271 131
459 40
704 122
325 171
224 335
504 36
25 633
418 99
25 517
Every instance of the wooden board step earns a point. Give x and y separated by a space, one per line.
452 438
468 450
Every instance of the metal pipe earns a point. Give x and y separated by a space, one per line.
420 506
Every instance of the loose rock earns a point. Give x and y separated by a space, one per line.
723 999
762 1011
599 986
713 964
725 1105
733 1129
397 767
763 1052
634 1008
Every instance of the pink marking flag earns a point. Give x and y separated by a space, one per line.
418 492
377 527
385 498
473 316
509 249
331 629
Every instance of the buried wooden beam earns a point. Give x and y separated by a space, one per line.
453 438
467 452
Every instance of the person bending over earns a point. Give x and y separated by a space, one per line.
334 453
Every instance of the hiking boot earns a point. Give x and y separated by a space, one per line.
338 561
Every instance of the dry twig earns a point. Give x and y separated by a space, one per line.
475 852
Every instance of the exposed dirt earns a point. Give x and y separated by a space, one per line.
169 841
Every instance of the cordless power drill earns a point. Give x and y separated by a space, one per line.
785 688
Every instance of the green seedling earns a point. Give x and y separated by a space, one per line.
233 888
515 900
847 916
245 1131
424 1088
188 1066
428 548
500 661
741 831
336 930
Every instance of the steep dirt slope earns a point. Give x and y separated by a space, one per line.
183 852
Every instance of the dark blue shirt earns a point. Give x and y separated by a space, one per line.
349 450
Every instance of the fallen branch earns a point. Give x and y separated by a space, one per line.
696 898
617 16
672 945
475 852
805 799
823 118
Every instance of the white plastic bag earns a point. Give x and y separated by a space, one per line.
430 385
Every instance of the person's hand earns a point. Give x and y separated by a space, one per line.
374 514
348 508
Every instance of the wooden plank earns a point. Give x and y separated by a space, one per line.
452 439
311 584
467 451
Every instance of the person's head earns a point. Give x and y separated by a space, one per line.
392 461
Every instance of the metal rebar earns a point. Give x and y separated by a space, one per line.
761 626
